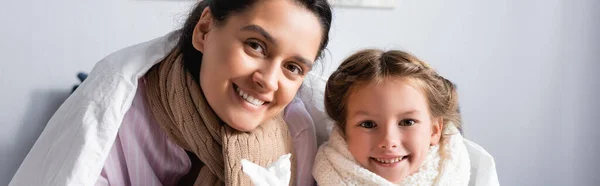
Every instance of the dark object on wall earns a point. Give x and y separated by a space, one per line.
81 76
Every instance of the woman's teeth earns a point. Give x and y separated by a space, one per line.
250 99
389 161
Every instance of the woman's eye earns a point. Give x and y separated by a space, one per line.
368 124
294 69
256 46
408 122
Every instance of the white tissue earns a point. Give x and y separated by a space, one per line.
276 174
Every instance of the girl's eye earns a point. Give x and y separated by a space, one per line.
256 46
294 69
407 122
368 124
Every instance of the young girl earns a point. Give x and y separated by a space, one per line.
397 122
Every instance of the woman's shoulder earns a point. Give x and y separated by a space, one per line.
141 143
78 137
139 57
312 94
297 117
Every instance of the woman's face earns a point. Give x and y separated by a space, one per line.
254 62
389 128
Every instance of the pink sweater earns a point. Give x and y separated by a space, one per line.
143 155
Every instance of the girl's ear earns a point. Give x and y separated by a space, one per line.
202 29
436 131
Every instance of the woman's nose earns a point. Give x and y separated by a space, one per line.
266 78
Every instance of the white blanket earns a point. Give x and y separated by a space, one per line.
76 141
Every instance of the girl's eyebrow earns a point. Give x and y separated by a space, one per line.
409 112
364 113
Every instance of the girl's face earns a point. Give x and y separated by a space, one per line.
255 61
389 129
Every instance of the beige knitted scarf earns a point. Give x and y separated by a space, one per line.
181 110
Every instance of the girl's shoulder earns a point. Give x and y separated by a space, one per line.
483 166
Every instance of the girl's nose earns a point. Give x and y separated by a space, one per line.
390 139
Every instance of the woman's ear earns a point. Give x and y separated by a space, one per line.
202 29
436 131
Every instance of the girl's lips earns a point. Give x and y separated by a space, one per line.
389 161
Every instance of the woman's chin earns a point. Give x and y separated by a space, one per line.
243 125
244 128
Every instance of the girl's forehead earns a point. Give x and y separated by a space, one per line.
391 96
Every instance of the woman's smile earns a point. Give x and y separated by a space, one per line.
249 99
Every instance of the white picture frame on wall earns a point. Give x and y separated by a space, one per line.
363 3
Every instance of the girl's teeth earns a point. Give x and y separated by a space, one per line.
388 161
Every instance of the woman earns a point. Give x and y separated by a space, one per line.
187 107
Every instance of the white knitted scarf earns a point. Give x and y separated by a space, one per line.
334 164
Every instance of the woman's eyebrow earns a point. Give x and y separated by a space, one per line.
261 31
305 61
269 38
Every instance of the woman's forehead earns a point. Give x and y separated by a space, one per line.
284 24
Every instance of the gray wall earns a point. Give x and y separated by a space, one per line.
525 69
